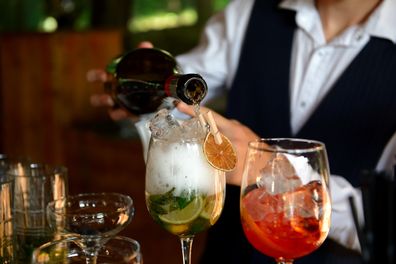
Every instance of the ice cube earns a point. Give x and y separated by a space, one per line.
192 128
163 125
278 175
306 201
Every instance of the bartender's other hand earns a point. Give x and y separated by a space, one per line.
104 100
236 132
116 113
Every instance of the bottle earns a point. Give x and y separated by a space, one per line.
142 78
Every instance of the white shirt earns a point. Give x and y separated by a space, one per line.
316 65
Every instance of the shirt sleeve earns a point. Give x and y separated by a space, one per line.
342 228
208 58
217 53
388 157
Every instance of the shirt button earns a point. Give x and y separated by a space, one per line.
359 35
321 53
303 104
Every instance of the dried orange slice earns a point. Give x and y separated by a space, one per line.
220 156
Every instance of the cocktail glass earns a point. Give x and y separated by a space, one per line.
184 193
93 217
117 250
285 203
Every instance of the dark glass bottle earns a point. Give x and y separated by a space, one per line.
144 77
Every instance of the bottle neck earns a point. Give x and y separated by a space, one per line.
190 88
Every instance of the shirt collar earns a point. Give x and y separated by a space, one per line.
383 24
380 24
296 5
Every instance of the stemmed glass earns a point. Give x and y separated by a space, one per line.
117 250
184 193
285 202
93 217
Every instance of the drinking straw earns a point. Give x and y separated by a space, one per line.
390 250
368 197
362 239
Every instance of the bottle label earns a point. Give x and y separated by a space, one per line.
170 86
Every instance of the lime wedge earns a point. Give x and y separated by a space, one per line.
213 206
43 257
185 215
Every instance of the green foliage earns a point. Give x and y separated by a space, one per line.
167 202
220 4
28 15
151 7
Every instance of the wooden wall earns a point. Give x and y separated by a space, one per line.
43 87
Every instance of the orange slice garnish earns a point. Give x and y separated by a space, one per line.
220 156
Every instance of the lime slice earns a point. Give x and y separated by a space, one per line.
185 215
213 207
43 257
178 229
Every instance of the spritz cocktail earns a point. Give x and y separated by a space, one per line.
285 203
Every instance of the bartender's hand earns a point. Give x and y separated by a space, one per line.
105 100
236 132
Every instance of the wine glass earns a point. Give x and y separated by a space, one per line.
184 193
117 250
93 217
285 202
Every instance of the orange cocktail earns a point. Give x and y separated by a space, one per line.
284 232
285 202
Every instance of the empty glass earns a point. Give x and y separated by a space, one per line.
93 217
35 185
6 225
118 250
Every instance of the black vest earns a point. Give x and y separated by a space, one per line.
356 118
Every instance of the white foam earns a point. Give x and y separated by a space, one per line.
182 166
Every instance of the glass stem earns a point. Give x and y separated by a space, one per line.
186 245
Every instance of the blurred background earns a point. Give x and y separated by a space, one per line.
46 48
